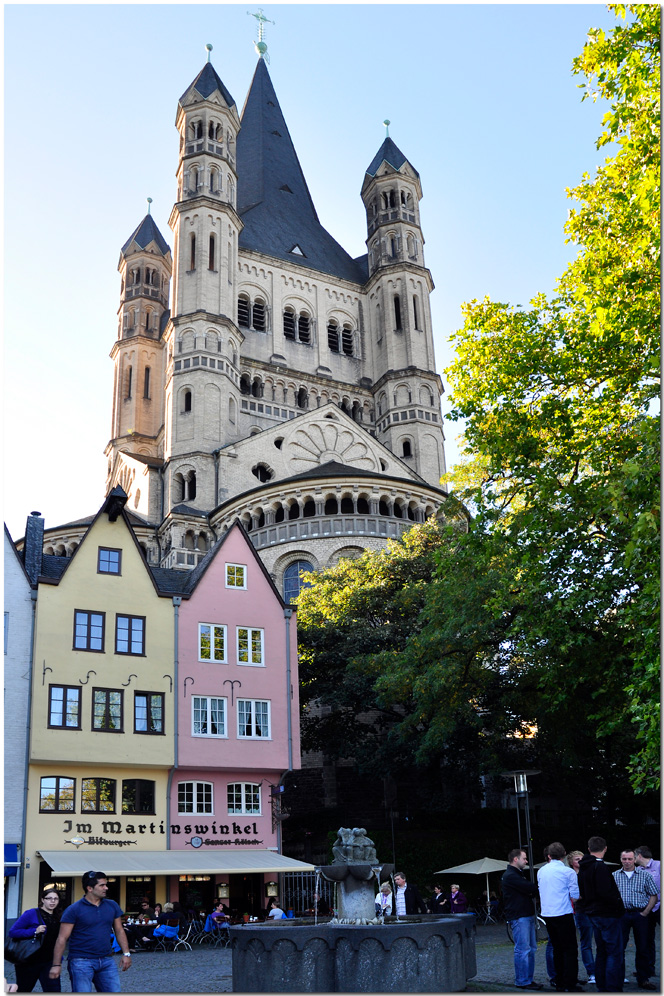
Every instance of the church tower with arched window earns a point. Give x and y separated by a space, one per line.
296 384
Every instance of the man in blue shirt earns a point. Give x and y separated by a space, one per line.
87 925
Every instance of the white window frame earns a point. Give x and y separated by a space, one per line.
246 789
241 567
195 802
208 699
212 659
250 631
254 735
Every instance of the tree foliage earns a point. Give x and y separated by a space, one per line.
560 429
533 635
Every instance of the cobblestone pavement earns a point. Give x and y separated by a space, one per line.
206 970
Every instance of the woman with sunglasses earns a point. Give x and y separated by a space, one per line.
43 920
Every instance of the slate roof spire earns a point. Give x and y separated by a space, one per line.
146 233
273 198
206 83
391 154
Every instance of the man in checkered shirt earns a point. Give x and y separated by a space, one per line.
639 894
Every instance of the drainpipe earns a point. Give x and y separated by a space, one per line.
22 856
177 602
215 454
288 613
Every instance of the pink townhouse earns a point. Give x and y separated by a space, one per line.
237 727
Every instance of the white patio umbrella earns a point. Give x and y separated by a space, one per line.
482 866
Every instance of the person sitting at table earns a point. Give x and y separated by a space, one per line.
458 902
274 910
146 909
157 909
220 911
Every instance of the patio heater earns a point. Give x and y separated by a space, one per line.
521 791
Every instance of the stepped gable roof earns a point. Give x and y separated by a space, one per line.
391 154
273 198
146 233
206 83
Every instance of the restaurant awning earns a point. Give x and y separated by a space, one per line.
123 862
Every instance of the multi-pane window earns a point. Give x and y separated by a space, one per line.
98 795
245 798
56 794
208 716
64 707
89 630
130 634
253 718
109 561
195 797
249 645
211 642
137 796
294 580
236 576
148 712
107 710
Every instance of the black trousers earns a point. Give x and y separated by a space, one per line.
562 934
28 974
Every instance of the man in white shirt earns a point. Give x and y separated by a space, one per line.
558 885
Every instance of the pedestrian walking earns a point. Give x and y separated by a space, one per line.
46 921
87 925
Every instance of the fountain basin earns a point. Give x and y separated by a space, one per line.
426 954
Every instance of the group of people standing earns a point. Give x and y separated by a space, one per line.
406 899
579 891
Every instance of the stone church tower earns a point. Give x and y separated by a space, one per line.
289 385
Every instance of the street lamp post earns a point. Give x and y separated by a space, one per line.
521 792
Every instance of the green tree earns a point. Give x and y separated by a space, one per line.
560 429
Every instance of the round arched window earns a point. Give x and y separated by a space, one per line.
294 580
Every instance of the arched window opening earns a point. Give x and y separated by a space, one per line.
243 312
416 317
309 509
406 448
192 254
347 506
279 442
344 407
146 383
289 324
187 401
211 253
202 542
398 511
303 328
211 129
231 410
262 472
191 485
129 378
302 399
347 340
294 510
383 465
397 313
261 520
393 247
279 515
362 506
257 388
382 508
189 540
259 316
331 506
295 580
245 385
199 129
357 411
393 199
333 337
410 513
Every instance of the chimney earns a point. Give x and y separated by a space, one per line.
33 546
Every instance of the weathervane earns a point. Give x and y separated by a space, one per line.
260 46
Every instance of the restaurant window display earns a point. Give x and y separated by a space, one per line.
197 893
138 888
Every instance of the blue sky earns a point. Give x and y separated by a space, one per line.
481 99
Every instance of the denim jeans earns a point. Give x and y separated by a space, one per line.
610 954
525 948
102 971
632 920
548 956
585 928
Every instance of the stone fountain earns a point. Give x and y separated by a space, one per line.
355 951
